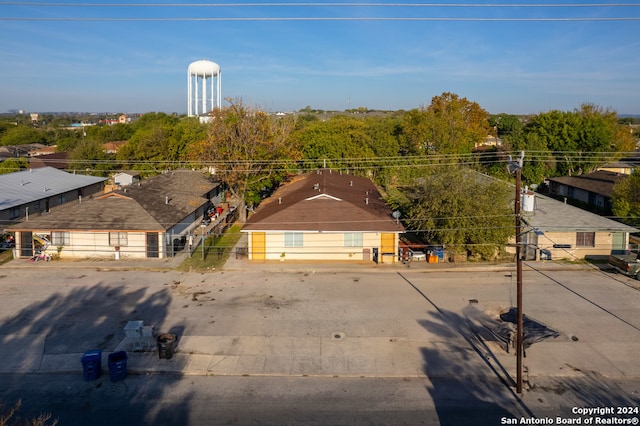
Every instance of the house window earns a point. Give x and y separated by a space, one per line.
59 239
585 239
63 198
118 239
353 239
293 239
14 213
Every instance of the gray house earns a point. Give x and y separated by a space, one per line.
592 189
28 193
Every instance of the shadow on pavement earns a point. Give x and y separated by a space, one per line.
64 326
468 383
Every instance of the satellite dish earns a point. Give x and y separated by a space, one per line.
396 215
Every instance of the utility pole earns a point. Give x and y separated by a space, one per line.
516 166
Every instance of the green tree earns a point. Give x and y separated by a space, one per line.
454 124
464 210
415 130
626 199
89 157
22 135
505 125
579 140
248 149
11 165
339 142
154 146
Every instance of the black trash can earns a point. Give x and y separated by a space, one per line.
166 343
117 366
92 364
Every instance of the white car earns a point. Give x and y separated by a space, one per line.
417 255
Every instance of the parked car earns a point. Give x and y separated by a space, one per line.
417 255
628 264
6 245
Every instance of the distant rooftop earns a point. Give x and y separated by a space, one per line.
23 187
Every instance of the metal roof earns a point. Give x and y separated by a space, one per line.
550 215
24 187
157 204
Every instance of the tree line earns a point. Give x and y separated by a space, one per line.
426 160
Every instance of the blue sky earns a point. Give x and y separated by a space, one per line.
516 60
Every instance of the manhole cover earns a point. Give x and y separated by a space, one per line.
337 335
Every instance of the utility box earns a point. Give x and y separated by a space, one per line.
133 329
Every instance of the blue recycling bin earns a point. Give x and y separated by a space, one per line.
92 364
117 362
439 251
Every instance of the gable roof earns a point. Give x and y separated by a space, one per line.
26 186
57 160
325 200
157 204
109 212
599 182
171 196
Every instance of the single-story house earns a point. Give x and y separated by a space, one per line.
126 178
57 160
591 189
150 219
32 192
324 215
555 230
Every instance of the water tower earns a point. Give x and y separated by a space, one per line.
201 98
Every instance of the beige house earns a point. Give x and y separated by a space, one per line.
327 216
556 230
151 219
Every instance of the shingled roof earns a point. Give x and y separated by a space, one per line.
599 182
157 204
171 196
325 200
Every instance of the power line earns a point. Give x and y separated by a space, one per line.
292 19
328 4
320 6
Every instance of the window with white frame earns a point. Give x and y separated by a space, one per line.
59 239
118 239
585 239
353 239
293 239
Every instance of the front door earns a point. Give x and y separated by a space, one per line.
258 246
26 244
387 247
152 245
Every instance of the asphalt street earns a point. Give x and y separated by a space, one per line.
317 344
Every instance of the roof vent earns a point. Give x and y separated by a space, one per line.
350 183
279 200
166 199
316 186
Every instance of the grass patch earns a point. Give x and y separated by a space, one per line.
216 251
6 256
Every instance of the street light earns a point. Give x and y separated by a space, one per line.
515 166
